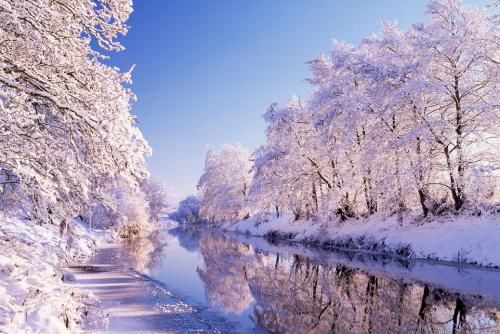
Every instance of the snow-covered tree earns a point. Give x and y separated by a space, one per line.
291 168
458 50
64 115
404 121
155 196
224 184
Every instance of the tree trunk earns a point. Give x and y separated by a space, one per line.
371 204
459 186
315 197
423 197
456 191
422 192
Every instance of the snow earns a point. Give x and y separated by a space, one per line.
463 239
33 296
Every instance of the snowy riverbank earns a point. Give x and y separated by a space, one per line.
33 295
464 239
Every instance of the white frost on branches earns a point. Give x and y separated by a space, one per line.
224 183
404 121
65 116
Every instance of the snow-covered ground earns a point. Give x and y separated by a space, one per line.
468 239
33 295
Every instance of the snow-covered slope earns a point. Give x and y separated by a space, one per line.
468 239
33 296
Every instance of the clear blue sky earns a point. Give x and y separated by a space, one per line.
206 71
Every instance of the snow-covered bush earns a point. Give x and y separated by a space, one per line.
188 211
131 211
123 209
133 215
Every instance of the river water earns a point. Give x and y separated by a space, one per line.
247 284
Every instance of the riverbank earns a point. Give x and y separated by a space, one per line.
33 295
460 239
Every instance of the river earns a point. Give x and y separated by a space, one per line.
240 284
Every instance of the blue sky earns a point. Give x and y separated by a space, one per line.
206 71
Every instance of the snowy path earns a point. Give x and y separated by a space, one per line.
134 304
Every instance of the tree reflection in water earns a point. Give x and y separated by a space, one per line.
295 294
226 272
188 236
147 254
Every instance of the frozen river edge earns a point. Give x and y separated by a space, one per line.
457 239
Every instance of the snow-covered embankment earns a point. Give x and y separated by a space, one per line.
33 296
464 239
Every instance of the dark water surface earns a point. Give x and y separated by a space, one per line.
250 285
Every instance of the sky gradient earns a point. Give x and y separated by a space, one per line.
206 71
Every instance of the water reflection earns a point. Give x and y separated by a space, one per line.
188 237
147 254
293 293
225 273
